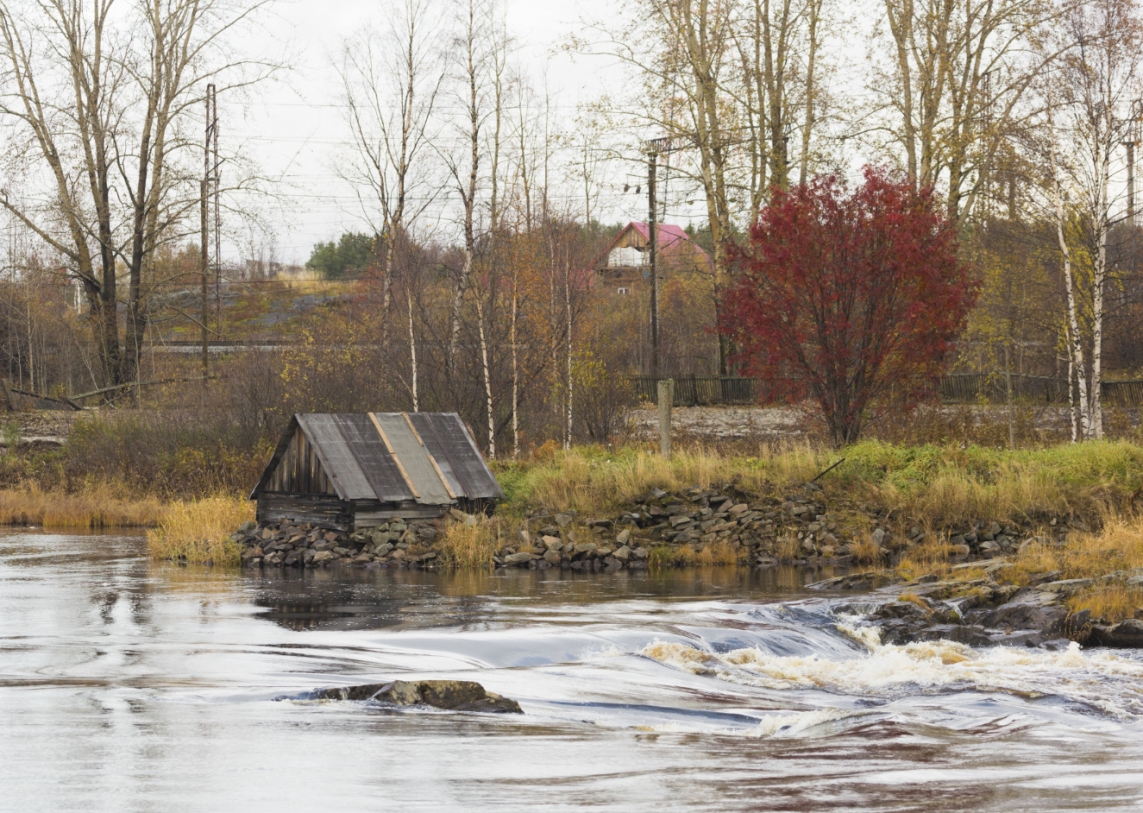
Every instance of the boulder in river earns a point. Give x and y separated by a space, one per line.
452 695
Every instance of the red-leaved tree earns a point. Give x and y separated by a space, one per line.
851 299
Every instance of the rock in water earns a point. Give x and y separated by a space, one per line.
1124 635
453 695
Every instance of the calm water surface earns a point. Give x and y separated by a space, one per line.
127 685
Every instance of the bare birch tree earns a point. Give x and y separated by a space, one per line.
95 102
959 72
391 83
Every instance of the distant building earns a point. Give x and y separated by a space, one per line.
626 264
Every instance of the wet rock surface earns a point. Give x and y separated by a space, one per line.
450 695
981 612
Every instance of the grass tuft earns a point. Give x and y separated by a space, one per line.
199 532
716 553
1113 603
471 545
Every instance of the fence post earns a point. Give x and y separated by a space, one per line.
666 401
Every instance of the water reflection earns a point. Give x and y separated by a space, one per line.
356 599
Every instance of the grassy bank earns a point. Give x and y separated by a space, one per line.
934 487
92 508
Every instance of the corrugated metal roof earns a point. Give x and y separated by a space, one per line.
427 458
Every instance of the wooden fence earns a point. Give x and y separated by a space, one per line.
962 388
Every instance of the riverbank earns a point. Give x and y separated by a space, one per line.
607 510
905 511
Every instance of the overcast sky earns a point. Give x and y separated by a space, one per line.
295 127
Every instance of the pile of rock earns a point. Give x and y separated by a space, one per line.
403 543
569 548
796 527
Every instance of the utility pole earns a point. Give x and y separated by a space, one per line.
653 257
654 147
215 191
204 264
1130 144
204 259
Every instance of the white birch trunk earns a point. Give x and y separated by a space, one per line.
571 385
1099 277
1071 386
1076 347
487 373
412 354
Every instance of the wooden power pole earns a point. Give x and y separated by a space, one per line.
210 190
204 268
653 257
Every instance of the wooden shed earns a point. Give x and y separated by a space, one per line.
352 471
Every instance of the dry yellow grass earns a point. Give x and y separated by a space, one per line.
199 531
913 598
93 508
865 550
1114 602
471 545
1118 546
716 553
945 485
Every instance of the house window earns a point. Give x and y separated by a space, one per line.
624 291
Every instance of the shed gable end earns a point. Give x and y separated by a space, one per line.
299 470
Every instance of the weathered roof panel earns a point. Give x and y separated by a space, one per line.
380 470
336 457
425 426
457 447
414 458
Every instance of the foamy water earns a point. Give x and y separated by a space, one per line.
1108 682
127 685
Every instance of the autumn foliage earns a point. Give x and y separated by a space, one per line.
852 300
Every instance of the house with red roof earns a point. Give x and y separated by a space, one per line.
625 265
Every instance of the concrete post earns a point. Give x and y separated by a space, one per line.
666 401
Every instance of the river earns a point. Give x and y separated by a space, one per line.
131 685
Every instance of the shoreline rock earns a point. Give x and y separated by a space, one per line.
983 613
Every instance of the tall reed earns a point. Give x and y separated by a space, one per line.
94 508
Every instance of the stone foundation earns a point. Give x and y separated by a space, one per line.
399 542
